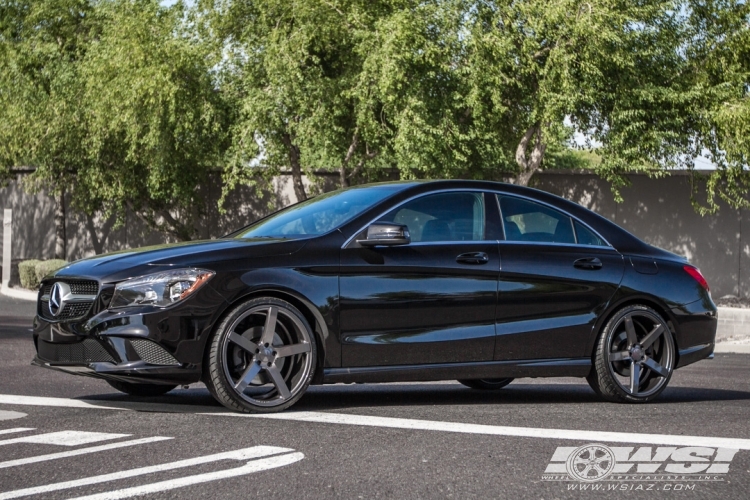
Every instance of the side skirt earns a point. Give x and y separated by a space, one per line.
560 367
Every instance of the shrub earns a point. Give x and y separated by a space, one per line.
27 274
45 267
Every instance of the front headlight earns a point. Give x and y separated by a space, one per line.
160 289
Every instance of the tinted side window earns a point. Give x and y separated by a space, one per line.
442 217
586 236
528 221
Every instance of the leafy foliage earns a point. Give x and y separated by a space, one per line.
128 104
157 123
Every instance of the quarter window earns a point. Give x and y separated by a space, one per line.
442 217
587 237
528 221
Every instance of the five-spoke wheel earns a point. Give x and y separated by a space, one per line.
635 356
262 357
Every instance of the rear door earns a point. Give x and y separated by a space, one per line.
432 301
556 277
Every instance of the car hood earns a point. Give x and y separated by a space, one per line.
118 266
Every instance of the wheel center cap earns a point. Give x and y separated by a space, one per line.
636 353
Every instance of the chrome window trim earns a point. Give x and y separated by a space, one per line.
495 193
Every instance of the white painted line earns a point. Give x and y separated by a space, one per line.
497 430
430 425
17 429
244 454
65 438
249 468
12 399
80 451
11 415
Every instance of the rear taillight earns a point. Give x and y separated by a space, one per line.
696 274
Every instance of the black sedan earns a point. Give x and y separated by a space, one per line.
411 281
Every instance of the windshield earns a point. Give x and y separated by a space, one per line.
319 215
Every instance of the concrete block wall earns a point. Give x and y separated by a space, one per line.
656 210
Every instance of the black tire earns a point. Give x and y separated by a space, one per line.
142 390
634 357
254 368
487 384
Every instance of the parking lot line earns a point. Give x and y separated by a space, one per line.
425 425
498 430
65 438
249 468
55 402
17 429
80 451
243 454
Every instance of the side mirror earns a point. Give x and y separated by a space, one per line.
386 234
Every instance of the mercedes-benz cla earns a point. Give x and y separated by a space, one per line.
413 281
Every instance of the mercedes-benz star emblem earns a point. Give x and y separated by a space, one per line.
57 297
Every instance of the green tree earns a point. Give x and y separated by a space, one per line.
720 61
42 123
158 124
115 103
294 67
484 88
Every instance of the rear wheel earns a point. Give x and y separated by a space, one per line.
261 357
634 357
143 390
487 384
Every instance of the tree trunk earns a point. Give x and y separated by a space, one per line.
343 177
61 243
294 163
529 163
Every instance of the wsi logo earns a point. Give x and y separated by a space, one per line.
598 462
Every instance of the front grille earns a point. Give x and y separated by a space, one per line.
77 287
152 353
88 351
74 310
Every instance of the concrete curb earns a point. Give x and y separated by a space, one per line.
733 323
726 347
18 293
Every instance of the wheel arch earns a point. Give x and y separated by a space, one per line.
641 299
304 305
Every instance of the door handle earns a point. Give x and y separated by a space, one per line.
589 264
473 258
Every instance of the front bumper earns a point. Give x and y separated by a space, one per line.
146 345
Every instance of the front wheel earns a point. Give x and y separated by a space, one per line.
487 384
634 357
261 357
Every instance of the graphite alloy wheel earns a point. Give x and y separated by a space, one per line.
143 390
261 357
634 357
487 384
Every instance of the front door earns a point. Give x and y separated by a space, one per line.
431 301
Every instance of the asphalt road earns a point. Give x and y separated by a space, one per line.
435 440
